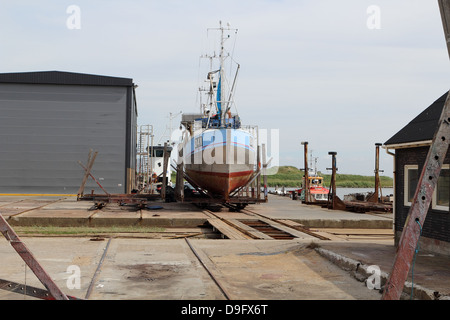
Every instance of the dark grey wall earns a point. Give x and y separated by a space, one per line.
46 129
437 222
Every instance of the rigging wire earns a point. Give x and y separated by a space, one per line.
232 51
414 260
25 280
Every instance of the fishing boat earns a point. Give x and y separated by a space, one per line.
219 153
317 191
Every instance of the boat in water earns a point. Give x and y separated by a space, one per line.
219 152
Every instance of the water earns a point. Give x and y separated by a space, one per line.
341 192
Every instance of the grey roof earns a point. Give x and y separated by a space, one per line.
61 77
422 127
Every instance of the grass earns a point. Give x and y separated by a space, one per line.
357 181
79 231
289 176
286 176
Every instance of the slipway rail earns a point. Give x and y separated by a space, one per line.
259 227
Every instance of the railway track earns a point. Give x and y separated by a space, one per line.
259 227
254 226
210 272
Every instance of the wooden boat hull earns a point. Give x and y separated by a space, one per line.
224 160
220 183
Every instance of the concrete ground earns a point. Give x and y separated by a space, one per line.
280 207
162 269
168 270
67 211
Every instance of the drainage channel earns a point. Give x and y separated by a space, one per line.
267 229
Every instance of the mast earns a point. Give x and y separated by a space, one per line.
221 78
221 103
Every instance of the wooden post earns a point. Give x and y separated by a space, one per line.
90 164
96 181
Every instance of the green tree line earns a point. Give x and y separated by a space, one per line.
290 177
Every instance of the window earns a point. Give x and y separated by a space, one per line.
441 193
411 181
157 153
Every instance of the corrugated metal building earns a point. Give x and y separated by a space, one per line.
50 120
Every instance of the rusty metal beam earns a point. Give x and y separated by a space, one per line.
30 260
444 7
28 290
306 175
336 202
166 156
134 199
375 195
258 172
419 208
265 164
425 188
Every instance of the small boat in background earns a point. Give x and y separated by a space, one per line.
316 189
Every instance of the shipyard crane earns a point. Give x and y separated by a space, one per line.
425 187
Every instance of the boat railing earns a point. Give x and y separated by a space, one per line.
198 125
233 123
252 129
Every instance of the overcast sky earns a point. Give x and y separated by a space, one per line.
323 71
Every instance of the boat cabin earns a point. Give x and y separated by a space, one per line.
315 181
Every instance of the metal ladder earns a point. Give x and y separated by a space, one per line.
145 160
425 188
